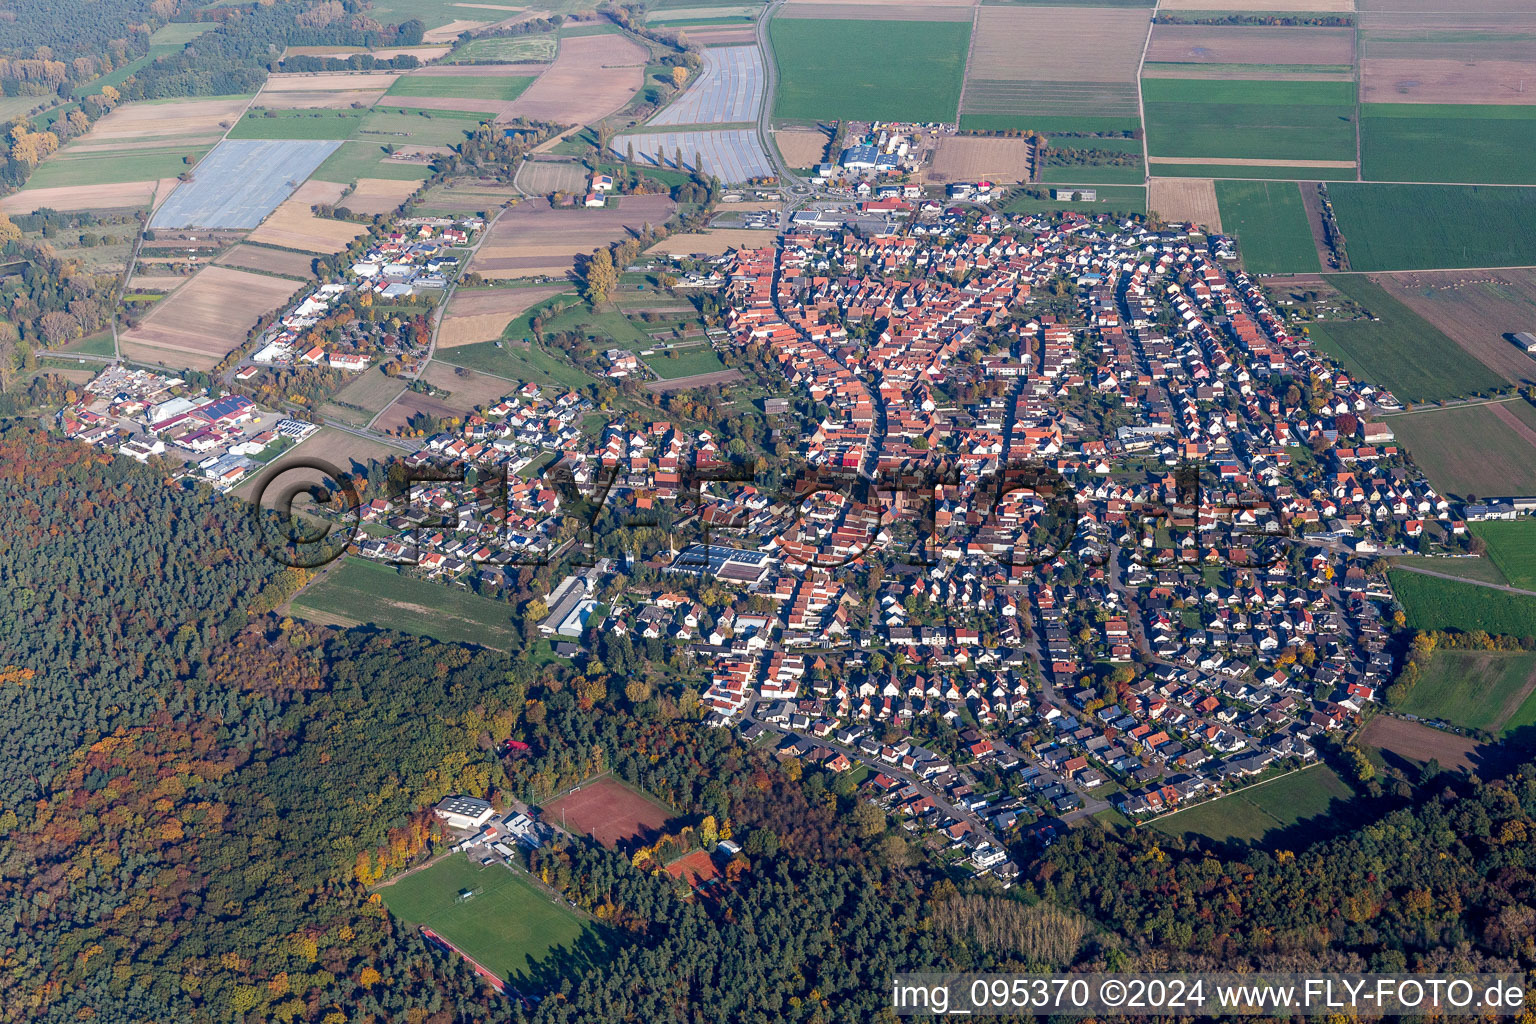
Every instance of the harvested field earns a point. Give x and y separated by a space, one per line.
378 195
795 5
699 380
1264 44
968 158
609 812
206 318
713 242
475 316
533 239
802 147
293 226
1045 44
1477 310
241 182
333 90
1073 100
273 261
1238 6
868 12
409 405
137 121
542 177
719 36
467 389
1447 81
1178 200
451 31
591 78
81 197
1420 743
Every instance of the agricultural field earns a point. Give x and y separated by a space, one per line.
329 90
712 241
294 226
363 398
1430 227
1282 121
496 87
378 195
1186 200
1255 811
467 390
893 70
1433 603
1110 199
1485 449
688 362
609 811
1270 224
1330 170
1276 47
727 90
1486 145
366 159
122 195
592 77
516 49
356 591
968 158
1398 350
1027 104
1511 547
206 318
476 315
541 177
1420 744
96 166
534 239
731 154
518 362
875 12
275 123
1481 690
240 183
802 147
268 261
1478 310
509 926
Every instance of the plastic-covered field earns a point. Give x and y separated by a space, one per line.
731 154
729 89
242 181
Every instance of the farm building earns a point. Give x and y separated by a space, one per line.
1527 341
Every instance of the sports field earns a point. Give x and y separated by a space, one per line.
358 591
1511 547
884 70
608 811
1249 814
1399 350
1433 603
1485 449
1445 142
1475 689
1269 120
1424 227
1270 224
507 922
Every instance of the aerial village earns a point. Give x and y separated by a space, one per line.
1179 638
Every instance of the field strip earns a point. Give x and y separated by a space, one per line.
1207 161
1514 423
1515 701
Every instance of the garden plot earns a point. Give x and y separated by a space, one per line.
241 182
728 90
731 154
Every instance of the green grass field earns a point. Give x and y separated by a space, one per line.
1251 120
689 361
505 925
1270 224
1110 199
298 124
473 87
513 50
1399 350
1511 547
1094 174
1433 603
1288 173
1471 449
1478 569
514 361
353 160
175 36
1251 813
1049 124
1473 689
1441 142
885 70
1425 227
401 125
358 591
109 168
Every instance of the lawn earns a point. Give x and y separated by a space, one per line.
689 362
1442 142
507 926
518 362
1473 689
1270 223
475 87
1424 227
1472 449
358 591
1094 174
1399 350
99 344
1511 547
1432 603
883 70
298 124
1250 119
1251 813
